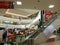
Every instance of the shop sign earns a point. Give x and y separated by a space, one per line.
6 5
48 15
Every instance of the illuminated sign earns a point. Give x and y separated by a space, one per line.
48 15
6 5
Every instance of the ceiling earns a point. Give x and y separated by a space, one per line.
39 4
35 4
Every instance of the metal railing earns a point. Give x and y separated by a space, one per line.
31 39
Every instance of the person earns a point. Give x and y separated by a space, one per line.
11 35
4 35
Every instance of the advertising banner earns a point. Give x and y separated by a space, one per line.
48 15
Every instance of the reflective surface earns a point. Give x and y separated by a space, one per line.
52 43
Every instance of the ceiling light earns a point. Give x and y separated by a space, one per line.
19 3
51 6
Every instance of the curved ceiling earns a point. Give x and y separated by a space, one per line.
38 4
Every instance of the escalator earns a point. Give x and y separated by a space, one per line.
41 36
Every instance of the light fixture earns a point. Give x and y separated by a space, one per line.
51 6
6 21
19 3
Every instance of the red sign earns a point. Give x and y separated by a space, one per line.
6 5
48 15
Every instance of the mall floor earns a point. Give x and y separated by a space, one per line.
52 43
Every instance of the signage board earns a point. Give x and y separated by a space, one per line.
6 5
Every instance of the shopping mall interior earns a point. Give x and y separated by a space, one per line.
29 22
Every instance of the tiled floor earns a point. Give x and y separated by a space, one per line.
52 43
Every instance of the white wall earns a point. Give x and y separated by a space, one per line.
9 19
36 20
12 26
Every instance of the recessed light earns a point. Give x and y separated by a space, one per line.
19 3
51 6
